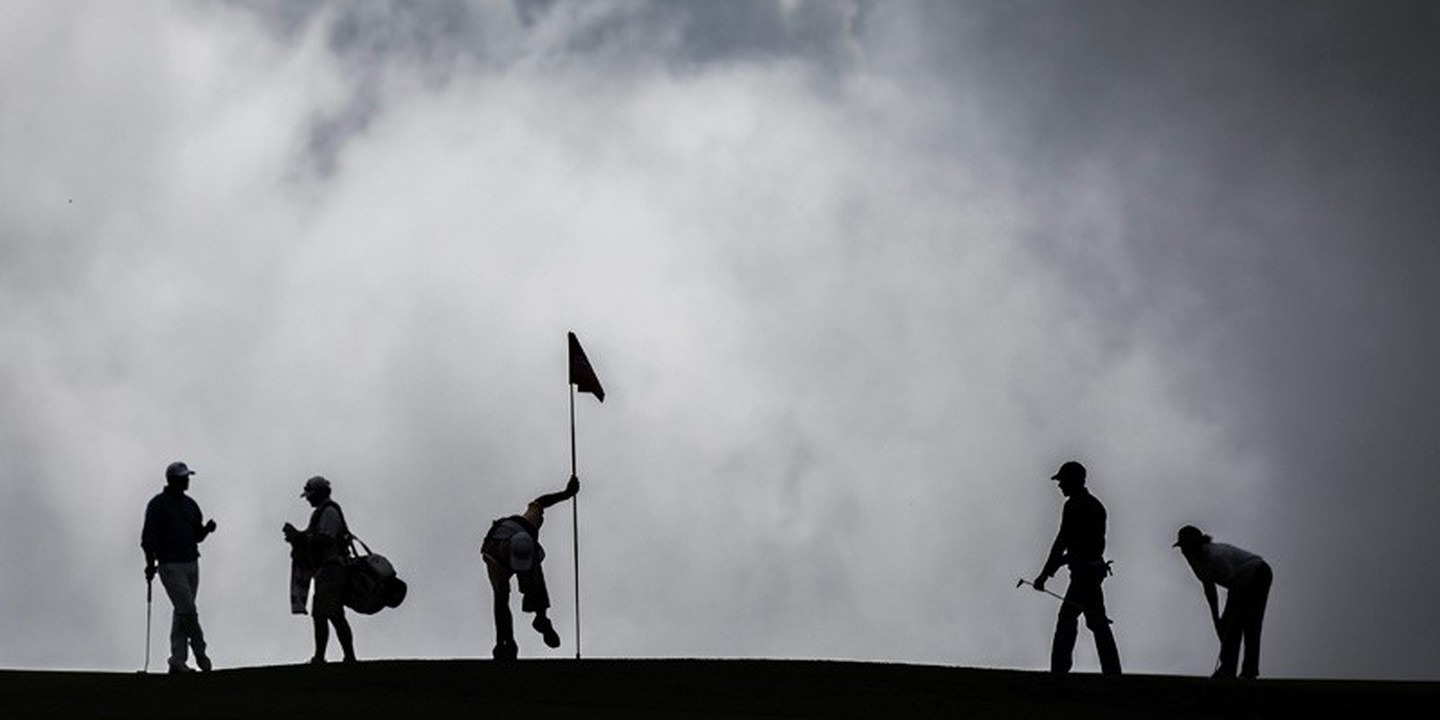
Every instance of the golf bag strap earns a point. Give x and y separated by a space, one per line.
354 540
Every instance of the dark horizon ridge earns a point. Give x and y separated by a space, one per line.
666 688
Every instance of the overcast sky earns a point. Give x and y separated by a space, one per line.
857 278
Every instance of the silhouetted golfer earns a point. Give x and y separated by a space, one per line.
1080 546
512 547
320 552
171 537
1246 578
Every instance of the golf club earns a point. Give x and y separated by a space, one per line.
1061 598
149 603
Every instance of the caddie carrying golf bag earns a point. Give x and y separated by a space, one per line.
370 581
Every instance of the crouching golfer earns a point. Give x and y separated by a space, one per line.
512 547
1246 578
320 552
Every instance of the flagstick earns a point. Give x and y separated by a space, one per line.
575 518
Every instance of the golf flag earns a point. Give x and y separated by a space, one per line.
582 376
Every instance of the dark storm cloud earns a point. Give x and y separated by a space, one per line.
438 40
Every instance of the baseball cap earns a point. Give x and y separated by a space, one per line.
315 485
1070 469
522 551
1188 534
178 469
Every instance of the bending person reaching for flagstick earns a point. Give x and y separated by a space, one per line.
512 547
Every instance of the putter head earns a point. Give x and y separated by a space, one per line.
1019 582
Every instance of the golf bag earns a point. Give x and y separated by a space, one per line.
370 581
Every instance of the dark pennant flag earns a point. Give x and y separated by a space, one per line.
582 376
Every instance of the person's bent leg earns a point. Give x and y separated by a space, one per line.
536 599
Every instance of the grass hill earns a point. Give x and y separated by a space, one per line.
637 689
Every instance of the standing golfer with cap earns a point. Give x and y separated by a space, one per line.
173 530
320 552
1080 546
512 547
1246 578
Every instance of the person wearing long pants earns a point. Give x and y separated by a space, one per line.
170 538
1246 578
1080 546
512 547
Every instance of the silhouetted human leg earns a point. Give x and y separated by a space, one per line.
1062 648
327 608
322 638
1257 594
179 649
536 599
180 581
1231 629
505 648
1085 591
196 636
535 596
1105 648
343 634
193 631
546 629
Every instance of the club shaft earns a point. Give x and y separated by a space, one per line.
1059 597
149 603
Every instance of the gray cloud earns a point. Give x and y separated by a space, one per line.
855 276
1270 170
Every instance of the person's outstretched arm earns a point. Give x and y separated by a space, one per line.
571 489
